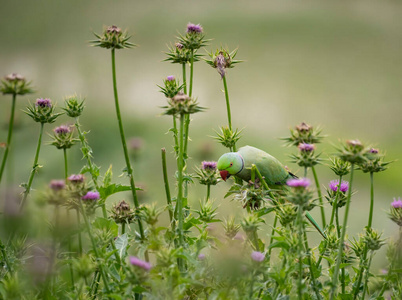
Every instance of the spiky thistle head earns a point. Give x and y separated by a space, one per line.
15 84
112 38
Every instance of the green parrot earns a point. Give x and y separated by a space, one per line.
239 164
275 174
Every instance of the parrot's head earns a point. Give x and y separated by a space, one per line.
230 164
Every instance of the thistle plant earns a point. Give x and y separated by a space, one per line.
13 84
41 112
113 38
194 252
222 60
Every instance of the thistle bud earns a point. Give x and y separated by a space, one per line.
15 84
306 157
222 60
73 106
122 213
171 87
373 239
300 195
207 175
304 134
112 38
42 111
194 38
206 212
354 152
63 137
231 228
395 213
181 104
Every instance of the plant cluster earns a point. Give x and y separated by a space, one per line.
129 252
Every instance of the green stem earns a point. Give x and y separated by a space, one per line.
227 104
34 168
175 136
126 155
190 92
366 278
317 184
79 232
123 229
184 78
334 208
180 183
311 267
335 203
208 191
70 265
370 220
272 235
9 136
94 246
252 286
65 163
300 252
94 285
167 188
342 238
86 151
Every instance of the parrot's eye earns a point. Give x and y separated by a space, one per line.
231 164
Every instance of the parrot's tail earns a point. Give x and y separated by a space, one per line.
293 175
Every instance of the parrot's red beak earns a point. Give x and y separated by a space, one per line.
224 174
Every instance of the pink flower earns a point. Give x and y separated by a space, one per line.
300 182
257 256
135 261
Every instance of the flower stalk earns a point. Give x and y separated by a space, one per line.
123 141
342 237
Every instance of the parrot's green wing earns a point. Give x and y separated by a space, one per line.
272 170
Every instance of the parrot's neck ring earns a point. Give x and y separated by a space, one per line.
242 164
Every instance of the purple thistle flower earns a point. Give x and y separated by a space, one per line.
91 196
374 151
300 182
257 256
170 78
57 185
63 129
43 102
76 178
201 256
209 165
194 28
397 203
304 147
135 261
15 77
333 185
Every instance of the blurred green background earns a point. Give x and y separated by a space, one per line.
337 65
